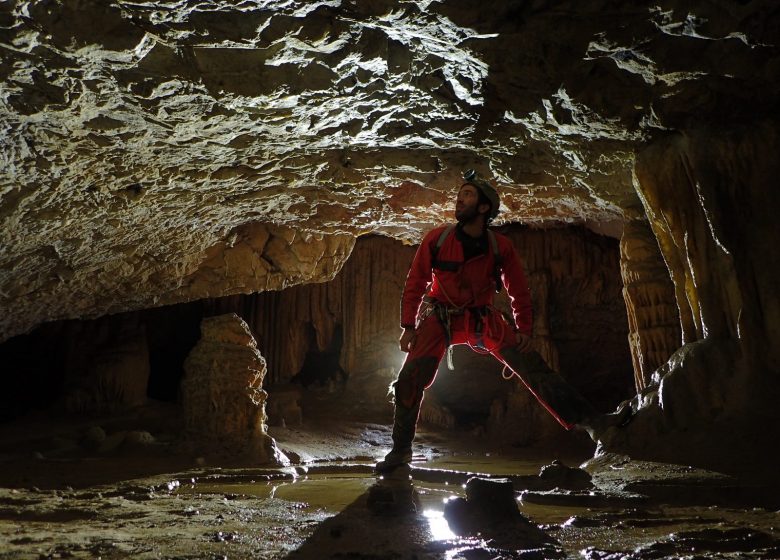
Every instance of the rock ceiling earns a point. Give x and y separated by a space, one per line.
156 151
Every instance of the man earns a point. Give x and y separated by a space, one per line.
448 300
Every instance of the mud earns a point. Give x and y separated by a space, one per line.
156 502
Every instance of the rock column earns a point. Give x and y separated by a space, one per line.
222 395
710 197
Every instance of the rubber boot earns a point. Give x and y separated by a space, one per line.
404 426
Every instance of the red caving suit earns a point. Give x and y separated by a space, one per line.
448 290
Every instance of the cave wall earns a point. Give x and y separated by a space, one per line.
99 365
710 194
363 298
348 328
250 257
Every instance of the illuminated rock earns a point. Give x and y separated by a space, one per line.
653 319
149 148
222 396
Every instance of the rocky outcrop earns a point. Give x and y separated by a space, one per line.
247 258
490 510
222 396
709 194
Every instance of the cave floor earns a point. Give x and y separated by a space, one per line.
151 500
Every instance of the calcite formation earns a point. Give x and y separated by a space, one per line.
653 318
725 273
351 327
221 393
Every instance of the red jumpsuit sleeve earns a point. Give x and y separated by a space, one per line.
417 280
516 285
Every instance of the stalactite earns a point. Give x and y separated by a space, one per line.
653 319
583 312
710 198
362 298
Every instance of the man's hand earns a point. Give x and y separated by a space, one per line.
523 342
408 338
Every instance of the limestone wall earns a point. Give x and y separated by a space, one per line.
163 269
653 318
710 196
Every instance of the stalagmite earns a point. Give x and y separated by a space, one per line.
222 397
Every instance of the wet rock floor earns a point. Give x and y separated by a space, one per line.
330 505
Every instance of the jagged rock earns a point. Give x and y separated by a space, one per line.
222 395
128 185
558 475
156 153
725 273
314 318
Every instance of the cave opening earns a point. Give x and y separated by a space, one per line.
321 368
172 332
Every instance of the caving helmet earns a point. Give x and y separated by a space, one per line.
472 178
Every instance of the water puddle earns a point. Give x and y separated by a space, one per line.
655 531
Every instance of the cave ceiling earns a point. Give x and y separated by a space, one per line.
150 148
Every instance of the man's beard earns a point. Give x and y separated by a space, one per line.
467 214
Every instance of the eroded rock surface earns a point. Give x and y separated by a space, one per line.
138 138
156 152
725 272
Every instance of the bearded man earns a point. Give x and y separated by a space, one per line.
448 300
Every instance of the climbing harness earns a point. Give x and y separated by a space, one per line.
481 317
453 266
484 317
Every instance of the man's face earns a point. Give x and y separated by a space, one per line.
467 204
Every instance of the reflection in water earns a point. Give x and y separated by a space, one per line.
440 529
365 517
